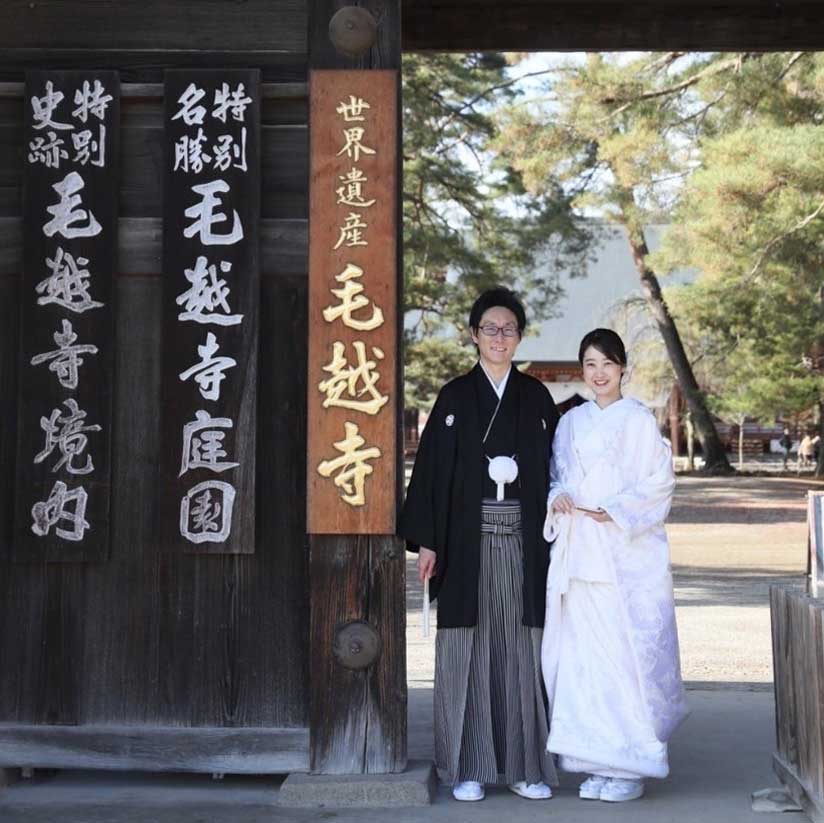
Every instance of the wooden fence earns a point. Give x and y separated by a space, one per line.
798 663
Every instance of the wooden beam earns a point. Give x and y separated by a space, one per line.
146 65
154 91
283 247
155 749
254 25
611 25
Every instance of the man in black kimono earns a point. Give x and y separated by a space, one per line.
475 511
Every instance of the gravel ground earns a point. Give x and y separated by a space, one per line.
731 538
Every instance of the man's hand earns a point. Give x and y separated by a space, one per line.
563 504
426 563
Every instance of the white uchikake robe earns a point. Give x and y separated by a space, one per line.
610 645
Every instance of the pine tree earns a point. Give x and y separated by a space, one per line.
616 135
752 220
469 224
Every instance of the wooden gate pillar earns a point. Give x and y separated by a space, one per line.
357 566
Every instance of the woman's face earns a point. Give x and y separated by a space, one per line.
497 336
602 375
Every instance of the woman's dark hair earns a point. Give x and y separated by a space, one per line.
491 298
607 342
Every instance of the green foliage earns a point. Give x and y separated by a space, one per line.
729 150
429 362
751 220
468 222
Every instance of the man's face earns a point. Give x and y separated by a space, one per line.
497 336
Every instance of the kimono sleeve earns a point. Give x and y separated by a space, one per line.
419 521
558 474
645 502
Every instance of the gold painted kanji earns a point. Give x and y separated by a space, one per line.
352 465
351 192
353 145
353 274
348 384
352 111
351 232
352 300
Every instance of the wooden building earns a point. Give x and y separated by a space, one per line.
280 649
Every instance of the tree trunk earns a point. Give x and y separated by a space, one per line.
715 457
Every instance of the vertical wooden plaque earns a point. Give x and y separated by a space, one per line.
63 473
352 403
211 286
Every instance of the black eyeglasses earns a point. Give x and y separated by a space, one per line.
492 331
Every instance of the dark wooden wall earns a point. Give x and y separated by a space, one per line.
145 638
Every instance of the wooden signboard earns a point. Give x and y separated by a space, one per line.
63 470
352 405
211 285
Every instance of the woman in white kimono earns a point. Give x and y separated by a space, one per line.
610 645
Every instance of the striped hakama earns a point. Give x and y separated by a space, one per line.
490 715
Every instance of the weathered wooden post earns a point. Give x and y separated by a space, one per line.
798 660
357 655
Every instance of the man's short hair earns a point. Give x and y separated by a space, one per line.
499 296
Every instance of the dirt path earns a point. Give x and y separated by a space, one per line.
731 539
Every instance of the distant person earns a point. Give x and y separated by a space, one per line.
475 512
806 452
610 655
786 443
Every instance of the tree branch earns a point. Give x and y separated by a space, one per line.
486 92
710 71
790 63
803 223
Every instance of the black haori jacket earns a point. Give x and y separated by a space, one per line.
442 511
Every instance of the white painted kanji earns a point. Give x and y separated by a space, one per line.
67 212
66 359
206 218
66 432
206 512
227 100
206 300
91 99
190 111
68 284
44 109
209 372
203 443
48 513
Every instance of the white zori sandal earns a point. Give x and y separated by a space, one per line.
619 789
468 790
591 788
531 791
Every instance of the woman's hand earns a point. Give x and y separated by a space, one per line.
426 563
563 504
599 516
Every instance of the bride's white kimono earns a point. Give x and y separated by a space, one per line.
610 646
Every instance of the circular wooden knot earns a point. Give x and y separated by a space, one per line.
356 645
353 31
